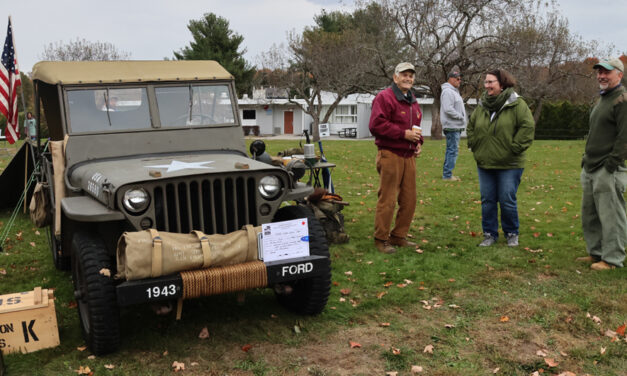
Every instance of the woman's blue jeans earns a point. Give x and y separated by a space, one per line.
499 186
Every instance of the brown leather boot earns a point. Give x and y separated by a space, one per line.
384 246
401 242
588 259
602 265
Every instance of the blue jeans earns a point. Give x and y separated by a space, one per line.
452 148
499 186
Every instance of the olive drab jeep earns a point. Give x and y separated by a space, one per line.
157 148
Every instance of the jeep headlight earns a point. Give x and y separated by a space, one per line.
136 200
269 187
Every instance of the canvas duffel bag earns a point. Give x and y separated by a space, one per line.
39 210
149 253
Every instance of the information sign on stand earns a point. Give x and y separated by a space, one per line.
284 240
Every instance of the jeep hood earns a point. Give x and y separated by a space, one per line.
102 178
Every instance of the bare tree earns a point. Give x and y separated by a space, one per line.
81 50
548 60
317 61
443 35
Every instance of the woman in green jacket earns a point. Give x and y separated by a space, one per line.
500 129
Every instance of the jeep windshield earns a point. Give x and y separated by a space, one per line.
124 109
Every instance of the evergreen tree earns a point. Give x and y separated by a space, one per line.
213 40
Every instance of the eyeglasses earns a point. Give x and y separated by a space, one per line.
488 82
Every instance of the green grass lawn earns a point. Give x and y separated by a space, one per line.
484 311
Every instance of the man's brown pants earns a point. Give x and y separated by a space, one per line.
397 184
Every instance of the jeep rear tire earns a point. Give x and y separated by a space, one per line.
307 296
95 294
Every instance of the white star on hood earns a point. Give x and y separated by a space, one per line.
178 165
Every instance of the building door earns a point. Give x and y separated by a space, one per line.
288 122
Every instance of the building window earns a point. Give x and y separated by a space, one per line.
249 114
345 114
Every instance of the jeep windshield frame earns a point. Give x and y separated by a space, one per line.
96 109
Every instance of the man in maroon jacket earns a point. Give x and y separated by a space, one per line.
395 124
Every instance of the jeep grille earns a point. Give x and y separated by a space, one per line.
216 206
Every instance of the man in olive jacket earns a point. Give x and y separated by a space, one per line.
604 176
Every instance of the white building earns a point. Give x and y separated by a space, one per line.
270 113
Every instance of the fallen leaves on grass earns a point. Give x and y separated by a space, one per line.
593 318
621 330
83 371
345 291
449 326
178 366
109 366
428 349
504 319
204 333
246 347
348 273
354 345
416 369
603 350
496 370
551 362
81 348
396 351
391 373
381 294
384 324
541 353
419 251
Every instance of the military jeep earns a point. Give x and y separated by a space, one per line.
139 145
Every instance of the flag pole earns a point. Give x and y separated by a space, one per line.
24 110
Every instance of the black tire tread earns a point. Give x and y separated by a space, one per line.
102 336
309 296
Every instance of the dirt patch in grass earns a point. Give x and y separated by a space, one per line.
512 333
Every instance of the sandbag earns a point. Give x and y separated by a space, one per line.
150 254
38 208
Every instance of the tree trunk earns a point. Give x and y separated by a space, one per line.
436 125
538 111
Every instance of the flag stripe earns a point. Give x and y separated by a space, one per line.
9 82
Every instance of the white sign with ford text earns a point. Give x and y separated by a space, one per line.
285 240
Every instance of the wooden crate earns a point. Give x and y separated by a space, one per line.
28 321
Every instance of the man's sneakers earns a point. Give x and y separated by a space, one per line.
512 240
602 265
401 242
384 246
488 240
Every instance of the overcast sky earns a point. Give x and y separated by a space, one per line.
153 29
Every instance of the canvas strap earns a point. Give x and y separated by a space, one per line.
252 243
206 249
157 253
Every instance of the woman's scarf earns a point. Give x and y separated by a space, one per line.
493 103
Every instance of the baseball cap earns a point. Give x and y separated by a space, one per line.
610 64
454 74
402 67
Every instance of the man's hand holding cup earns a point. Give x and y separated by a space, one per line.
413 134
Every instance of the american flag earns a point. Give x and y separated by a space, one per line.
9 82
